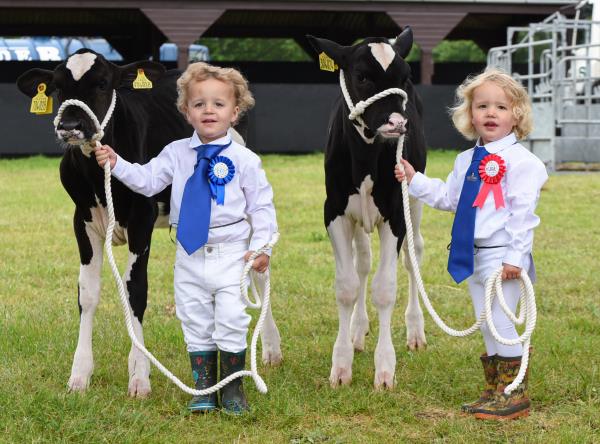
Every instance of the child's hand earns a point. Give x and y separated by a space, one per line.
105 153
261 262
510 272
407 174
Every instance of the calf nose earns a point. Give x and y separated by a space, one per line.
396 121
70 125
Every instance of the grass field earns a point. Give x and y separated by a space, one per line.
39 324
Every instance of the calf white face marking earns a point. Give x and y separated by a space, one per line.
79 64
383 53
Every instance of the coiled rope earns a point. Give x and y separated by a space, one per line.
253 372
493 287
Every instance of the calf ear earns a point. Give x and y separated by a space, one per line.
152 70
404 42
28 81
337 52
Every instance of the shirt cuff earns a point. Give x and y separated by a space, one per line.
417 184
256 244
119 168
514 258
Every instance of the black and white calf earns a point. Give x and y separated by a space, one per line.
362 194
143 122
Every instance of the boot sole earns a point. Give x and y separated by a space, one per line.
515 415
202 408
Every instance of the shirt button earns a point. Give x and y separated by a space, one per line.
209 249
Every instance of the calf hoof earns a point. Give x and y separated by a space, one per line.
340 376
139 388
384 381
272 357
78 383
359 330
416 342
358 340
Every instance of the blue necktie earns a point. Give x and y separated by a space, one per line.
194 214
460 261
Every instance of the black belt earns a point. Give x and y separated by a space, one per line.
480 248
210 228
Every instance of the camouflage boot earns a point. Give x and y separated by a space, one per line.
490 372
233 399
204 369
504 406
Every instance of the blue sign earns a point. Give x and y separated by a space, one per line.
57 49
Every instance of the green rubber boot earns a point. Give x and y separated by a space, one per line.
490 372
204 369
233 399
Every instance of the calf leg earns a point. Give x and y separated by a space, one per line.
359 325
346 288
269 335
135 279
90 253
415 324
384 297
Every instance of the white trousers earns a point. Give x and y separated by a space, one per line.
208 300
486 262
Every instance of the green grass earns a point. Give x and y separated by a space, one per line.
39 325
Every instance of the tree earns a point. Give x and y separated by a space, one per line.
254 49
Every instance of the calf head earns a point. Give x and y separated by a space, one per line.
90 78
370 67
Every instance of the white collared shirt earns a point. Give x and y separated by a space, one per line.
248 196
511 225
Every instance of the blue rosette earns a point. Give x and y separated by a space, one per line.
220 172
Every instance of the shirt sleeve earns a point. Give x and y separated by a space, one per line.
150 178
435 192
259 203
524 184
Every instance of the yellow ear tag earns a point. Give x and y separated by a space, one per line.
326 63
41 103
141 81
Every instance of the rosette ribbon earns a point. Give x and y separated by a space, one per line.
220 172
491 169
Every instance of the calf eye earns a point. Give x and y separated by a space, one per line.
362 78
102 85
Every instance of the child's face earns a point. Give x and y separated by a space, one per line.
492 113
211 108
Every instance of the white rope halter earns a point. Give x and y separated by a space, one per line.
356 111
259 382
493 286
99 126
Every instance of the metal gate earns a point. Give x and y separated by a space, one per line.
558 61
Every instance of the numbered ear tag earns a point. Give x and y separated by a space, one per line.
326 63
41 103
141 81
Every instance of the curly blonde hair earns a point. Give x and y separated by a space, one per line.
519 99
200 71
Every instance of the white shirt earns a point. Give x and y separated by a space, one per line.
510 226
249 194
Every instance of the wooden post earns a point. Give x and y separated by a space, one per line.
427 67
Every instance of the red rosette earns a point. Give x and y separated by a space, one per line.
491 170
